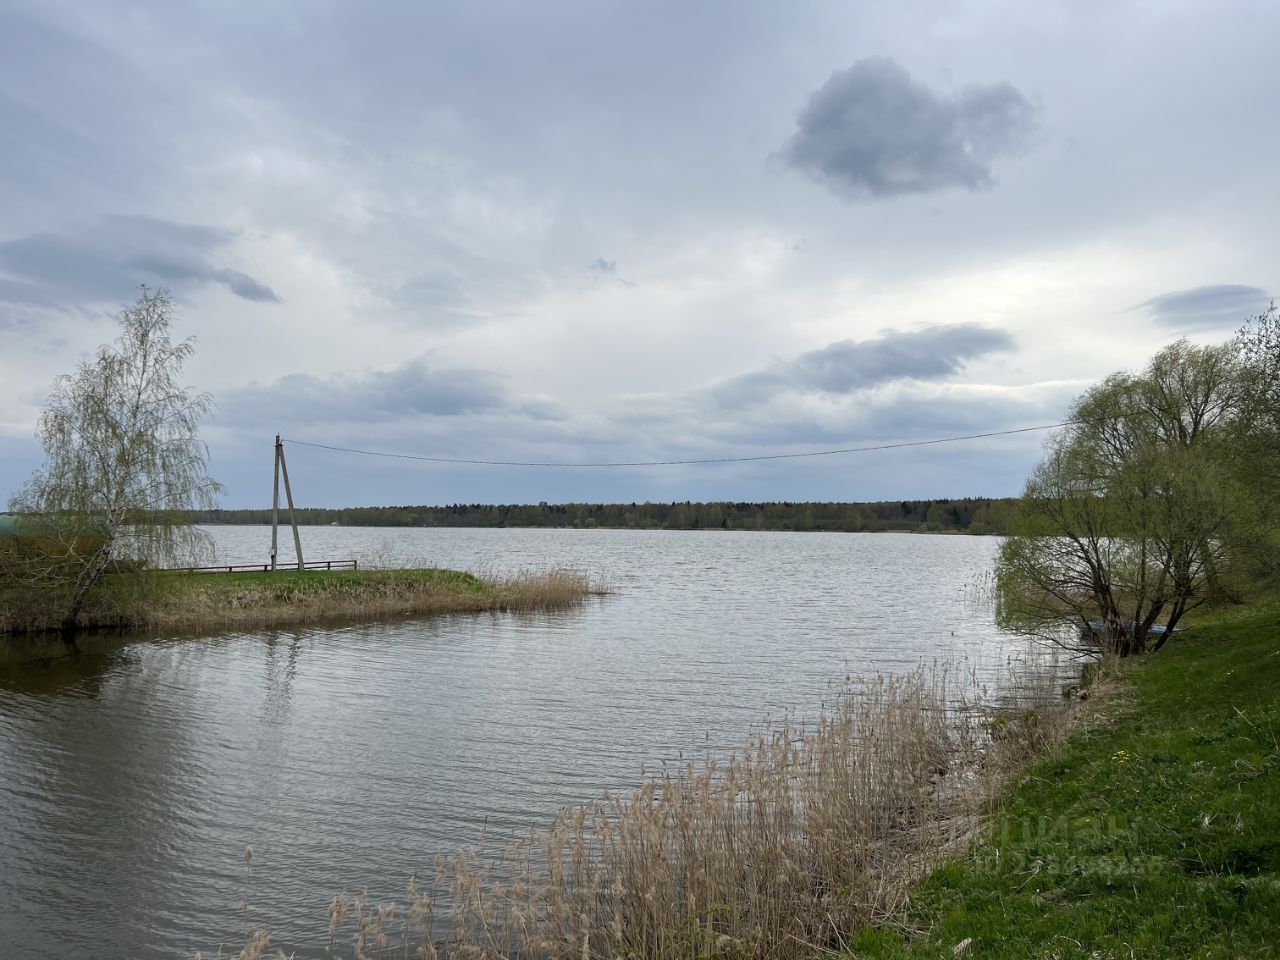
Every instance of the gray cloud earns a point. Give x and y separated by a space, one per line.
909 416
415 389
873 130
851 365
112 256
243 285
764 407
1213 307
602 268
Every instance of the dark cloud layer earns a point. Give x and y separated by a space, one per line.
753 408
1214 307
851 365
413 390
873 130
112 256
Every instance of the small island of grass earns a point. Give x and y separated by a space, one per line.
201 601
291 597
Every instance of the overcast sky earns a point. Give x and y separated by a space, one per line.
583 232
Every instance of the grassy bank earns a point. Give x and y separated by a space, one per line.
1153 832
189 602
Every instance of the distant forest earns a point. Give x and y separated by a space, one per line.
976 515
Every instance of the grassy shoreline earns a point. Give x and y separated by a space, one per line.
1153 832
289 598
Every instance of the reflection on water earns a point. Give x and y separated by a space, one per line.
47 665
134 772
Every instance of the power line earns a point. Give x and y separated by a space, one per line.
675 463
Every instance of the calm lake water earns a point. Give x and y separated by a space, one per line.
133 775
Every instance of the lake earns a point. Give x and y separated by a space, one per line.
134 774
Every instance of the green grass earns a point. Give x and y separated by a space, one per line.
1153 832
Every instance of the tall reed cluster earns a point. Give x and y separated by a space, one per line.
784 850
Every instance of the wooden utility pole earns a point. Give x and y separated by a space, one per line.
288 495
275 503
282 468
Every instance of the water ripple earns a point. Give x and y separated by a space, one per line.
133 776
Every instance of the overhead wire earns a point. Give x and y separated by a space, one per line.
689 462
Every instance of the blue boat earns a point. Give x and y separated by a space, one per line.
1097 628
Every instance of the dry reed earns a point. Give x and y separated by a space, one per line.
783 851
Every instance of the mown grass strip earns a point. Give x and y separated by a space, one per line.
1153 832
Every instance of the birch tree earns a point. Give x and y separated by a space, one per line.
124 463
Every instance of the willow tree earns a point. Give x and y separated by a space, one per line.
1258 452
1135 515
124 463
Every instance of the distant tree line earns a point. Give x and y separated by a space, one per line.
974 515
